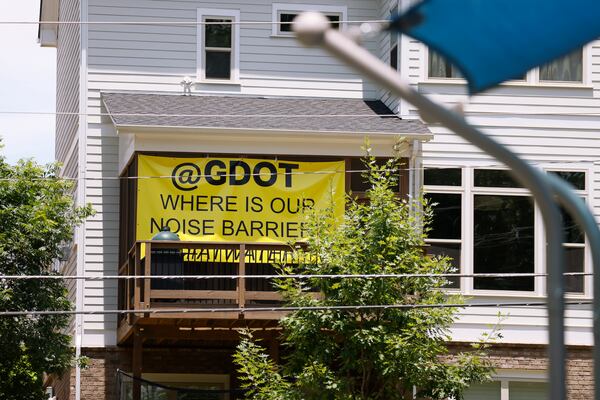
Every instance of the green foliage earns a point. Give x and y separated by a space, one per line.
37 215
366 353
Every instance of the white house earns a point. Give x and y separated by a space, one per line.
260 99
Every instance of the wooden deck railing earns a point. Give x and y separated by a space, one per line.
156 258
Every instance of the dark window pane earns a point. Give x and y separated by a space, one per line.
440 68
335 21
574 284
394 57
494 178
443 176
504 241
286 20
575 178
446 215
451 250
360 184
218 35
572 232
218 64
568 68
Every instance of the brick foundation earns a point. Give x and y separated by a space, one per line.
99 380
580 379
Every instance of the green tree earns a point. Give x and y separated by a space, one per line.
37 215
366 353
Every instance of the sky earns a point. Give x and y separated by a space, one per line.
27 83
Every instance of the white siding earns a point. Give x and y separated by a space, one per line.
157 57
67 84
538 122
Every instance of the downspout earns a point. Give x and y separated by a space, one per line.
81 188
415 172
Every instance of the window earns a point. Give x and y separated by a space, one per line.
508 390
445 235
284 15
575 238
394 42
566 69
438 67
503 232
287 18
486 222
218 45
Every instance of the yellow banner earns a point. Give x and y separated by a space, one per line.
234 200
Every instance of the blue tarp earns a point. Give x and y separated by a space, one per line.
492 41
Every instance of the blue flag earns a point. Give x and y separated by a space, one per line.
491 41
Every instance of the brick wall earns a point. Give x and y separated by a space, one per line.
580 380
99 380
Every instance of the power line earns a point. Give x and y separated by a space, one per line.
286 276
177 22
267 174
389 115
243 310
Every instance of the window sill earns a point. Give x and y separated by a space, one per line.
545 84
218 82
282 35
522 295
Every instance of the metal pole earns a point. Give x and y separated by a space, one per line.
585 219
313 29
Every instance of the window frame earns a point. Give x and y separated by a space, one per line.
506 376
279 8
167 378
468 191
532 77
586 195
209 13
459 190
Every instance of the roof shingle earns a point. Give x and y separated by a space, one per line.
244 112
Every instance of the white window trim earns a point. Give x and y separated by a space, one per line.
167 378
505 377
531 78
463 246
468 190
203 13
283 7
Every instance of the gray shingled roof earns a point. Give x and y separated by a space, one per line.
156 110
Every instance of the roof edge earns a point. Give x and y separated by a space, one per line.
48 33
160 129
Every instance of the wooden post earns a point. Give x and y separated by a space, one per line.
274 349
137 284
241 285
147 272
137 363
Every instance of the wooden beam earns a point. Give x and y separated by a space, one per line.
147 272
137 299
241 282
137 363
274 349
161 334
194 294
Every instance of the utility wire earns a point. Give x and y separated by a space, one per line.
286 276
281 309
266 174
101 114
176 22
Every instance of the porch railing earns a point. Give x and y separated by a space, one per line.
160 258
